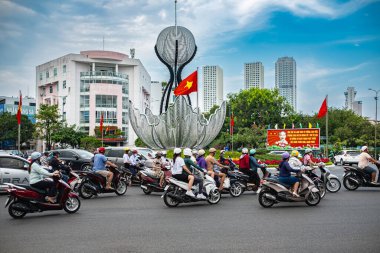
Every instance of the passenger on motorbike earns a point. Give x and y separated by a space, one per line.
100 162
126 159
157 165
57 165
181 172
38 177
133 159
364 160
307 158
285 176
44 159
222 159
194 154
253 165
294 162
201 161
212 165
189 164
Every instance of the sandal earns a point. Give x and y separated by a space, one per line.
295 194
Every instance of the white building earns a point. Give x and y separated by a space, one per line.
155 101
357 107
350 97
286 79
92 83
253 75
212 86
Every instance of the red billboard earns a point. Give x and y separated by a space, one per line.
300 138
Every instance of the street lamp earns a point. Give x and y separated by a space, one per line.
376 97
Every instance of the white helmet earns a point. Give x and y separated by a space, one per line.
194 151
201 152
244 150
35 155
187 152
177 151
164 152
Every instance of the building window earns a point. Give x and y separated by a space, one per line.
64 84
64 68
108 116
40 76
55 71
51 88
47 74
84 86
85 130
106 101
84 101
125 118
125 103
32 104
84 117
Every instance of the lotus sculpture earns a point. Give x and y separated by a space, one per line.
179 126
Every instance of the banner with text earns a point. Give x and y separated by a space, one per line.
302 138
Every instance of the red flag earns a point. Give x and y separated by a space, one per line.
188 85
18 115
232 123
323 110
101 123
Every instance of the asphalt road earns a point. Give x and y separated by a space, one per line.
342 222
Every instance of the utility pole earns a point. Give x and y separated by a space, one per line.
376 98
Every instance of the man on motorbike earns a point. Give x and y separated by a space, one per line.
253 166
364 160
190 164
38 177
100 162
285 177
126 159
201 161
212 165
222 159
133 159
181 172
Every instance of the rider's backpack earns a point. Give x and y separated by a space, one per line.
244 162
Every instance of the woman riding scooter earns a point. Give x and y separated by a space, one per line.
38 177
285 176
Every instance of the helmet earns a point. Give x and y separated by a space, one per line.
126 149
222 151
285 155
177 151
46 153
159 154
194 151
164 152
308 150
35 155
134 151
244 150
187 152
252 151
201 152
101 150
363 148
295 153
212 150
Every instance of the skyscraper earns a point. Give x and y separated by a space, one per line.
350 97
253 75
286 79
212 87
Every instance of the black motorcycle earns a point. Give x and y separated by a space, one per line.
354 178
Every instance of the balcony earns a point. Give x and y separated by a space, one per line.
103 75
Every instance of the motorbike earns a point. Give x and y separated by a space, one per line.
75 179
27 199
175 191
136 179
318 181
150 183
330 180
273 192
93 183
354 177
233 183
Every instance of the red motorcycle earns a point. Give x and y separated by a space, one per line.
94 183
150 183
27 199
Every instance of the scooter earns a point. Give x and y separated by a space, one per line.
150 183
354 178
319 182
273 192
233 183
331 181
93 183
175 191
75 180
27 199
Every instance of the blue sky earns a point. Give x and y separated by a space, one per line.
335 43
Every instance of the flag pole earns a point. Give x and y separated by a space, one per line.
19 131
327 128
197 108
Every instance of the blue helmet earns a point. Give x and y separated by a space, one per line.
285 156
252 151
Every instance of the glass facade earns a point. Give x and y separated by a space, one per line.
108 116
84 117
84 101
107 101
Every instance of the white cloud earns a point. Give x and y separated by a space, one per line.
9 8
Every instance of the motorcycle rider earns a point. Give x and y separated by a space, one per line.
307 158
157 164
56 164
253 165
126 159
100 162
194 154
212 165
201 161
44 159
222 159
285 177
181 172
189 163
133 159
364 160
294 162
38 177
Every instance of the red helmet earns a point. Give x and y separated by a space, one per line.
101 150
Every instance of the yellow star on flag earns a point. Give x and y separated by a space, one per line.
189 84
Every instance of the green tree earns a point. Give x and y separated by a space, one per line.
47 123
90 143
140 143
212 110
9 128
67 136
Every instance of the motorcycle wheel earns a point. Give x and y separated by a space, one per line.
313 199
321 187
214 197
265 202
72 205
147 191
236 190
351 186
14 213
333 185
86 167
170 202
84 193
121 188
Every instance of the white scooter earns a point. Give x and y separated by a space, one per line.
175 191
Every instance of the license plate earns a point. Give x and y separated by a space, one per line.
144 187
166 187
7 201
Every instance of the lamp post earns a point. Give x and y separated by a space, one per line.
376 98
